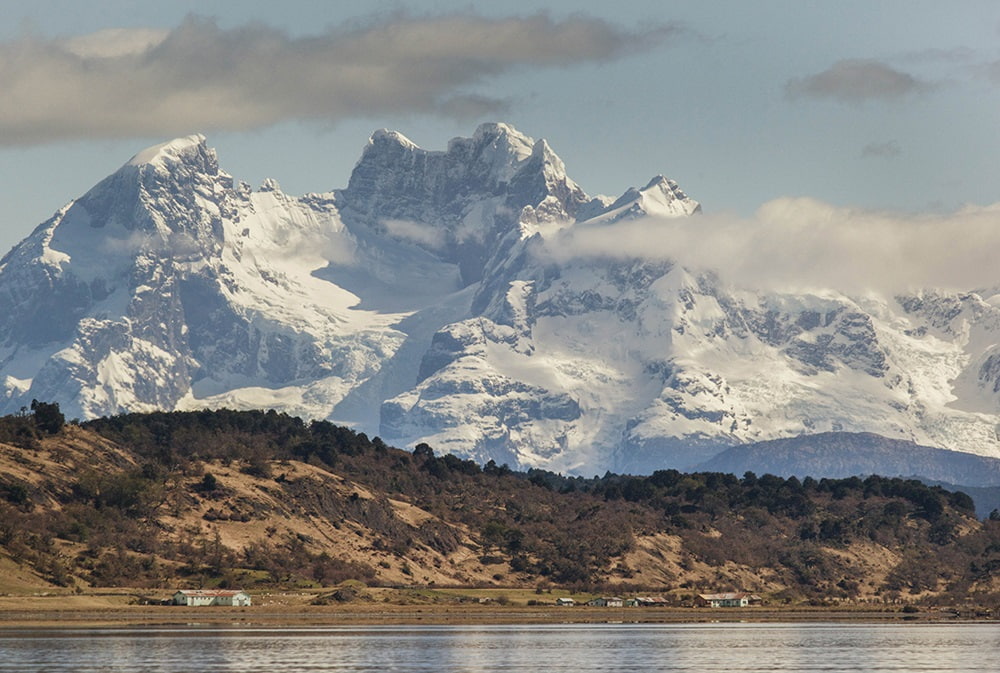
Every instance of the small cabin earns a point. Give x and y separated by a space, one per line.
201 597
565 601
650 601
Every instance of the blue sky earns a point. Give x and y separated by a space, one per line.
866 105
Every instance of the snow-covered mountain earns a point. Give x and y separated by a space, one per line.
444 296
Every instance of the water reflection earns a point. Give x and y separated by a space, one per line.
704 648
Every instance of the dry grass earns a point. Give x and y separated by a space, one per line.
331 514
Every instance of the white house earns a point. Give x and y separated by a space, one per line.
565 601
197 597
735 599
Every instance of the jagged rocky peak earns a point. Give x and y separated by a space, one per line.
270 185
499 148
167 190
471 195
160 180
552 165
394 176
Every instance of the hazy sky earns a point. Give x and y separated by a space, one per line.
852 105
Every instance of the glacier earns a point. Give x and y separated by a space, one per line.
443 297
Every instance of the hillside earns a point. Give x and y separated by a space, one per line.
256 499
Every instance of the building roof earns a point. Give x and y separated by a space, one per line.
217 593
728 596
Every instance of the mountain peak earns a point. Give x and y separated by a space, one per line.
661 197
496 132
543 152
172 150
491 129
394 175
391 137
659 181
496 143
270 185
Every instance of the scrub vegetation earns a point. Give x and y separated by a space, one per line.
253 499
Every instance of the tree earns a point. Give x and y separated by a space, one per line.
48 418
208 484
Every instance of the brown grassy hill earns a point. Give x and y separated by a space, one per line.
260 499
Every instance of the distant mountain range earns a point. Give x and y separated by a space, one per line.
452 297
844 454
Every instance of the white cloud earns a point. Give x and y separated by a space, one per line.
801 244
199 77
115 42
426 235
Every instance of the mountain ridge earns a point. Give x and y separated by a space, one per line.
839 455
471 298
846 454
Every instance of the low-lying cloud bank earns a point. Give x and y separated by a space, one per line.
801 245
198 76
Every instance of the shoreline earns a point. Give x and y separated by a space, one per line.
376 615
290 608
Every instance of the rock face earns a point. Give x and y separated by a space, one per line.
444 297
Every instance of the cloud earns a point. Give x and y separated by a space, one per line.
472 106
200 77
888 149
935 56
801 244
115 42
426 235
992 71
856 81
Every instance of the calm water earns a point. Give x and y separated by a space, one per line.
700 648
